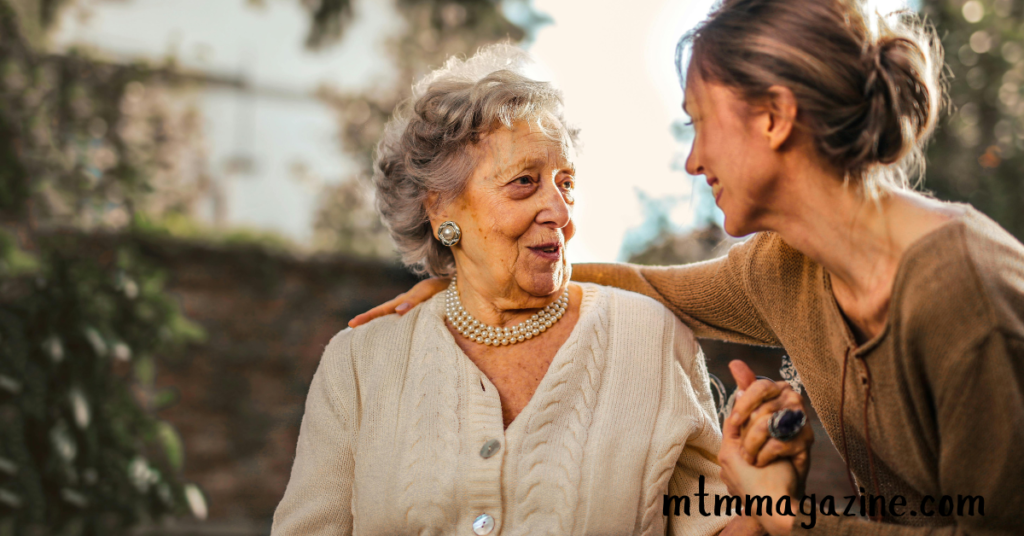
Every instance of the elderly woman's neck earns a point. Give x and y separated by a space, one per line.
500 305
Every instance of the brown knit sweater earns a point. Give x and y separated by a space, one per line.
938 394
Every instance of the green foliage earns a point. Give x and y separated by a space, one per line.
348 222
330 17
85 143
181 226
978 152
82 453
49 10
14 61
13 260
81 145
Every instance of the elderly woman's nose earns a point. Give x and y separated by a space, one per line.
555 209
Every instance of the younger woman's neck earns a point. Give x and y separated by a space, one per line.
857 239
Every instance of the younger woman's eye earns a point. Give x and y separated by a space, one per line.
568 184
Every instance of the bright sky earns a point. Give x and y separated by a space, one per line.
613 61
615 66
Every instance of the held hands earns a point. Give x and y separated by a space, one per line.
757 401
753 463
402 303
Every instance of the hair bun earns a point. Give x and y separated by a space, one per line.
898 103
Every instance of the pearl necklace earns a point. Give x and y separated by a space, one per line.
477 331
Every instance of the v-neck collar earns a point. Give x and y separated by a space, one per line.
897 286
563 353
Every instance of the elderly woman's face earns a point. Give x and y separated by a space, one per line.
516 212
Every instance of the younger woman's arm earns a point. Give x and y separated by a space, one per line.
711 297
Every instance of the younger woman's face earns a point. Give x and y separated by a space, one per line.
733 153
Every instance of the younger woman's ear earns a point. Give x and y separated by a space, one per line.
782 111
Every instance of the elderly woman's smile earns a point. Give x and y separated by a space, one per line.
515 214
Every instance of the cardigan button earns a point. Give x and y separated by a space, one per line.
490 448
483 524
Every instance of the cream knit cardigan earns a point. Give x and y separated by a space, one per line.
397 414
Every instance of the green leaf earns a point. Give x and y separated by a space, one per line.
172 444
145 371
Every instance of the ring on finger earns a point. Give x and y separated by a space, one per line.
786 424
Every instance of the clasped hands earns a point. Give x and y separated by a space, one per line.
753 462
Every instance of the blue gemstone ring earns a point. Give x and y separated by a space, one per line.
786 424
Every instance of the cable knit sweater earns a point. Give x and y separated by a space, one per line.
397 417
932 406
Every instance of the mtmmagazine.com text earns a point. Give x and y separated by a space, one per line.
810 506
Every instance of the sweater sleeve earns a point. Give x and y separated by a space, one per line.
710 297
980 398
697 470
318 498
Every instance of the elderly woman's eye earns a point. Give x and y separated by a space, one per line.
524 180
568 184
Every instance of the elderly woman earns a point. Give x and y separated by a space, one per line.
515 401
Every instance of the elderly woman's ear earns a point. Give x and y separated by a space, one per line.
437 215
442 227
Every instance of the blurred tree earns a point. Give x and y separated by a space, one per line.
977 154
348 222
659 239
84 145
433 31
697 245
80 450
93 144
329 18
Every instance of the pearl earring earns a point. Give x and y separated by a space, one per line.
449 233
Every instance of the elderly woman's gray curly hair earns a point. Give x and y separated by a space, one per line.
425 147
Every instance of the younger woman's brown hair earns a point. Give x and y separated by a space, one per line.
868 87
